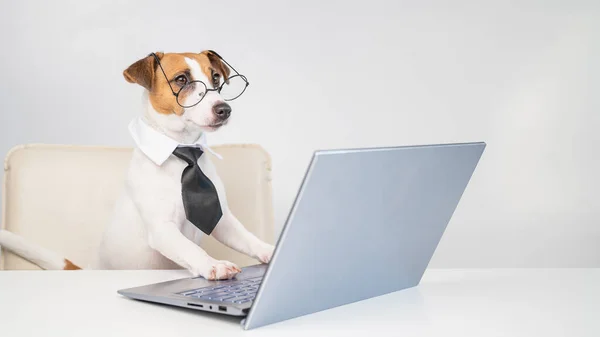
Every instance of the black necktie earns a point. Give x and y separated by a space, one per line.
200 199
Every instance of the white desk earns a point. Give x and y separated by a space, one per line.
511 302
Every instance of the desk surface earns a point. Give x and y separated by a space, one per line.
448 302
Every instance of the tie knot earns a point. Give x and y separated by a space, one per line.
189 154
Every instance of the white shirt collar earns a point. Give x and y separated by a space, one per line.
157 146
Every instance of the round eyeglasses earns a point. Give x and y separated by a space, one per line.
193 92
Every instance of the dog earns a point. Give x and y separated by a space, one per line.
149 228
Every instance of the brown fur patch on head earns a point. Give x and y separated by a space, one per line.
161 96
142 71
210 64
217 64
70 265
147 73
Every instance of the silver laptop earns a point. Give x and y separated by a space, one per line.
365 222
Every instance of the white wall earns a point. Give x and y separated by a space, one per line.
524 77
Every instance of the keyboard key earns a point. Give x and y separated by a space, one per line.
210 294
221 294
214 295
242 300
238 288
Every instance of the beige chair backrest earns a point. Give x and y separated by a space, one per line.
61 197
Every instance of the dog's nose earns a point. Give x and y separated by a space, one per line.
222 110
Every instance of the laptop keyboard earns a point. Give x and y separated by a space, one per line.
231 291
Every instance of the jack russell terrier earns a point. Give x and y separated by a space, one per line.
172 193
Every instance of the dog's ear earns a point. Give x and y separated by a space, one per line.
142 71
217 63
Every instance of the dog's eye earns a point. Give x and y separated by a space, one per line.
181 80
216 79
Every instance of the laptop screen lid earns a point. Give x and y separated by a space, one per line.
365 222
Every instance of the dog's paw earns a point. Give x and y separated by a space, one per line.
215 270
264 253
223 270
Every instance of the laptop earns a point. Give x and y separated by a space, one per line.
365 222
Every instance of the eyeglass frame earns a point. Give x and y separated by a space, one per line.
176 94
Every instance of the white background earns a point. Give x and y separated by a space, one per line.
523 76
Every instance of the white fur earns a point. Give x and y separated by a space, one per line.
40 256
199 114
149 229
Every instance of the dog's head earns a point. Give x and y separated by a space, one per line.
181 85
